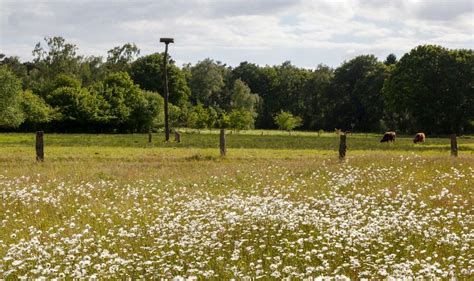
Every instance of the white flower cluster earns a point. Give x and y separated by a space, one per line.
374 221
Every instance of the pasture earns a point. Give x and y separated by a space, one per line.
276 206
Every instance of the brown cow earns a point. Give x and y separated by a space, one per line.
420 137
388 136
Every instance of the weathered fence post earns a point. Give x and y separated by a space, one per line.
342 147
149 137
39 146
222 143
454 146
177 136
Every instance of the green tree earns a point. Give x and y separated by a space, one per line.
202 117
92 70
55 58
212 117
15 66
148 73
315 98
11 115
176 114
119 58
206 81
123 98
241 120
73 105
224 121
430 90
355 95
390 60
242 98
147 113
35 109
286 121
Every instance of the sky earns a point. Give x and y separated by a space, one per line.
305 32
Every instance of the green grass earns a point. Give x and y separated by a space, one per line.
239 140
118 207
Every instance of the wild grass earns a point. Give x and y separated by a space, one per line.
276 206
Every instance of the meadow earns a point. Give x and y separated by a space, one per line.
277 206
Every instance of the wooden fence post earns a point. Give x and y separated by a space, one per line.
454 146
177 136
39 146
222 143
149 137
342 147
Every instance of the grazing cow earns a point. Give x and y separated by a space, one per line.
388 136
420 137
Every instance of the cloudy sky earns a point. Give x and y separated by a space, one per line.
306 32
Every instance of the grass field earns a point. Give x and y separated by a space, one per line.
276 206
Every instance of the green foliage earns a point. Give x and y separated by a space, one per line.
11 114
241 120
148 73
56 58
120 57
35 109
73 104
122 95
390 60
175 115
147 113
286 121
430 90
224 121
14 65
355 94
242 98
206 81
65 80
202 117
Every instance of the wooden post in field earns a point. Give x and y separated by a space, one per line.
177 136
39 146
342 147
454 146
222 143
149 137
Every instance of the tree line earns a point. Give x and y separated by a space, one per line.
429 89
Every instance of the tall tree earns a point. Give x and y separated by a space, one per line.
56 57
242 98
355 95
119 58
314 97
11 114
147 72
206 81
430 90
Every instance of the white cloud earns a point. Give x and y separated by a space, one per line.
267 31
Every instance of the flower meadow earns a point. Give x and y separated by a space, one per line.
405 216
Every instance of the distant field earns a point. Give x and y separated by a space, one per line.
113 206
250 140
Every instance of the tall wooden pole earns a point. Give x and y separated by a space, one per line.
342 147
222 143
454 146
167 128
39 146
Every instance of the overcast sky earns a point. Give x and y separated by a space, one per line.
306 32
